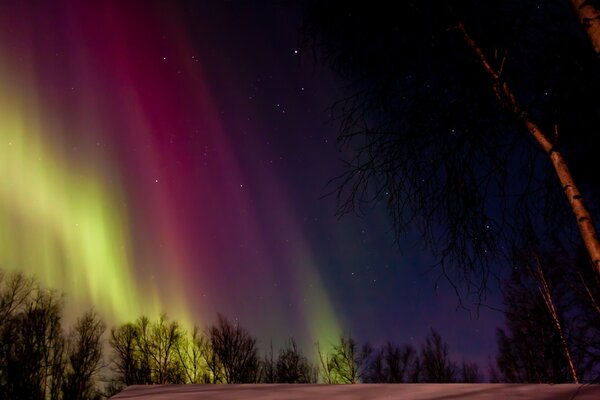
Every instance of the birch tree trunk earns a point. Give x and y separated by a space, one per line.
589 17
506 97
546 294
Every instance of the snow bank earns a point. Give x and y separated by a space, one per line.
458 391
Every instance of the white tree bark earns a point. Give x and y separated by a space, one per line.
580 211
589 17
547 296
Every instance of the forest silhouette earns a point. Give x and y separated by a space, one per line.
472 122
42 359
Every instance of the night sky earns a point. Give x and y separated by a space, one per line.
171 156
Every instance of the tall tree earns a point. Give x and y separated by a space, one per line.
160 345
470 373
588 13
293 367
267 367
15 290
232 353
148 352
190 353
586 301
345 362
126 359
532 349
449 104
393 364
436 365
84 354
33 342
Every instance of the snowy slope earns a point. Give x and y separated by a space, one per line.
363 391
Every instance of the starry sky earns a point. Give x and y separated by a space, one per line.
174 157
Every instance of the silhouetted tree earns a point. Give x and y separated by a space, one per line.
494 374
232 355
449 105
190 352
436 366
84 353
127 363
470 373
392 364
344 362
267 367
33 343
376 371
588 13
293 367
586 299
160 344
148 352
15 290
532 349
551 303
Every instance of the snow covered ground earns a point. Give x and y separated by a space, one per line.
456 391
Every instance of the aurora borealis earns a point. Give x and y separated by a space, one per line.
173 157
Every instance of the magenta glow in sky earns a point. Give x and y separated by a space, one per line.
172 156
129 100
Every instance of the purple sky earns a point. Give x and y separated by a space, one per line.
206 126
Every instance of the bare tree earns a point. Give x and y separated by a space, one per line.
232 354
126 360
148 352
267 367
470 373
435 361
327 367
215 371
445 109
15 291
546 294
161 344
392 364
33 342
84 353
531 349
588 13
189 353
494 374
546 142
344 362
293 367
376 371
586 301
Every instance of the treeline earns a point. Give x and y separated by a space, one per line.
39 359
347 362
158 352
146 352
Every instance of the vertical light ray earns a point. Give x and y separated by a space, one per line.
104 194
60 221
